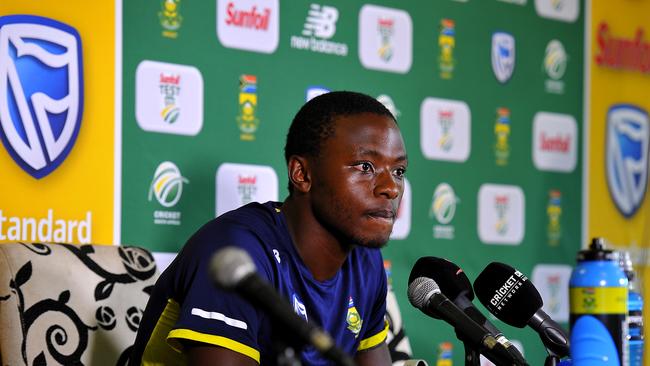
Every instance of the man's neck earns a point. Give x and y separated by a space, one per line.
321 251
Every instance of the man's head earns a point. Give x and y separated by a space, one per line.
346 160
314 122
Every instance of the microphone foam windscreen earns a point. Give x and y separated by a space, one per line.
508 294
451 279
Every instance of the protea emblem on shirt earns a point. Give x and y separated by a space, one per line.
353 318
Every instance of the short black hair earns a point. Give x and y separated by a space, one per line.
314 122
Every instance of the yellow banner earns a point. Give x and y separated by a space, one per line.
619 78
57 150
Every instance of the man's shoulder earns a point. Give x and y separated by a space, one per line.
253 227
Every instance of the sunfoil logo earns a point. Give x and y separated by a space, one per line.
41 91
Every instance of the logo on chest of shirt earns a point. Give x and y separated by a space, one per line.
299 307
353 319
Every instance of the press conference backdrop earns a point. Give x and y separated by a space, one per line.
488 95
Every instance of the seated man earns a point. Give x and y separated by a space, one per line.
319 248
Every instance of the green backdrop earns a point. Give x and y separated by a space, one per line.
282 78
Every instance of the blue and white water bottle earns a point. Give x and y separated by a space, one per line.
598 289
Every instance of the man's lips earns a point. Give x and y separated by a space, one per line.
382 214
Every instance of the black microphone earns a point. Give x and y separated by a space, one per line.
424 294
231 268
512 298
455 285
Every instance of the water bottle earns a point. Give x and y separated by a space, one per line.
635 312
598 288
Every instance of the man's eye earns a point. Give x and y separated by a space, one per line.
364 167
400 172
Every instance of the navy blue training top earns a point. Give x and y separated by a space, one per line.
186 306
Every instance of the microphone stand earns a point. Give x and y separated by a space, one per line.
286 354
288 357
472 356
552 360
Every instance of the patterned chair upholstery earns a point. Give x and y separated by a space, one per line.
66 304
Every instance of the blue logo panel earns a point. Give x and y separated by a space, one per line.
41 91
628 132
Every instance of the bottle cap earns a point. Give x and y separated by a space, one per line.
597 252
625 261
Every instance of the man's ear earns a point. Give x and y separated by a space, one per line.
299 174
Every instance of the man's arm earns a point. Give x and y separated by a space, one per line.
377 356
205 354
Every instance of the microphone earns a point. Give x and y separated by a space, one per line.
231 268
513 299
424 294
455 285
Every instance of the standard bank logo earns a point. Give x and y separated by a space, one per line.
627 156
41 91
503 56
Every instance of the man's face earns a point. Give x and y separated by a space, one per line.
358 179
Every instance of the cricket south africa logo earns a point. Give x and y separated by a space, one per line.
167 184
41 91
353 318
170 18
247 119
627 156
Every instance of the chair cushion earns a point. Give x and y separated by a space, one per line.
69 304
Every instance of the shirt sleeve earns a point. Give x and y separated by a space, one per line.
208 314
377 325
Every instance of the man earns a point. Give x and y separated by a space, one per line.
320 248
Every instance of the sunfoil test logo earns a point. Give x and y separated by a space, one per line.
41 91
627 156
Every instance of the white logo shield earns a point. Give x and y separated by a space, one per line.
41 91
627 156
503 56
